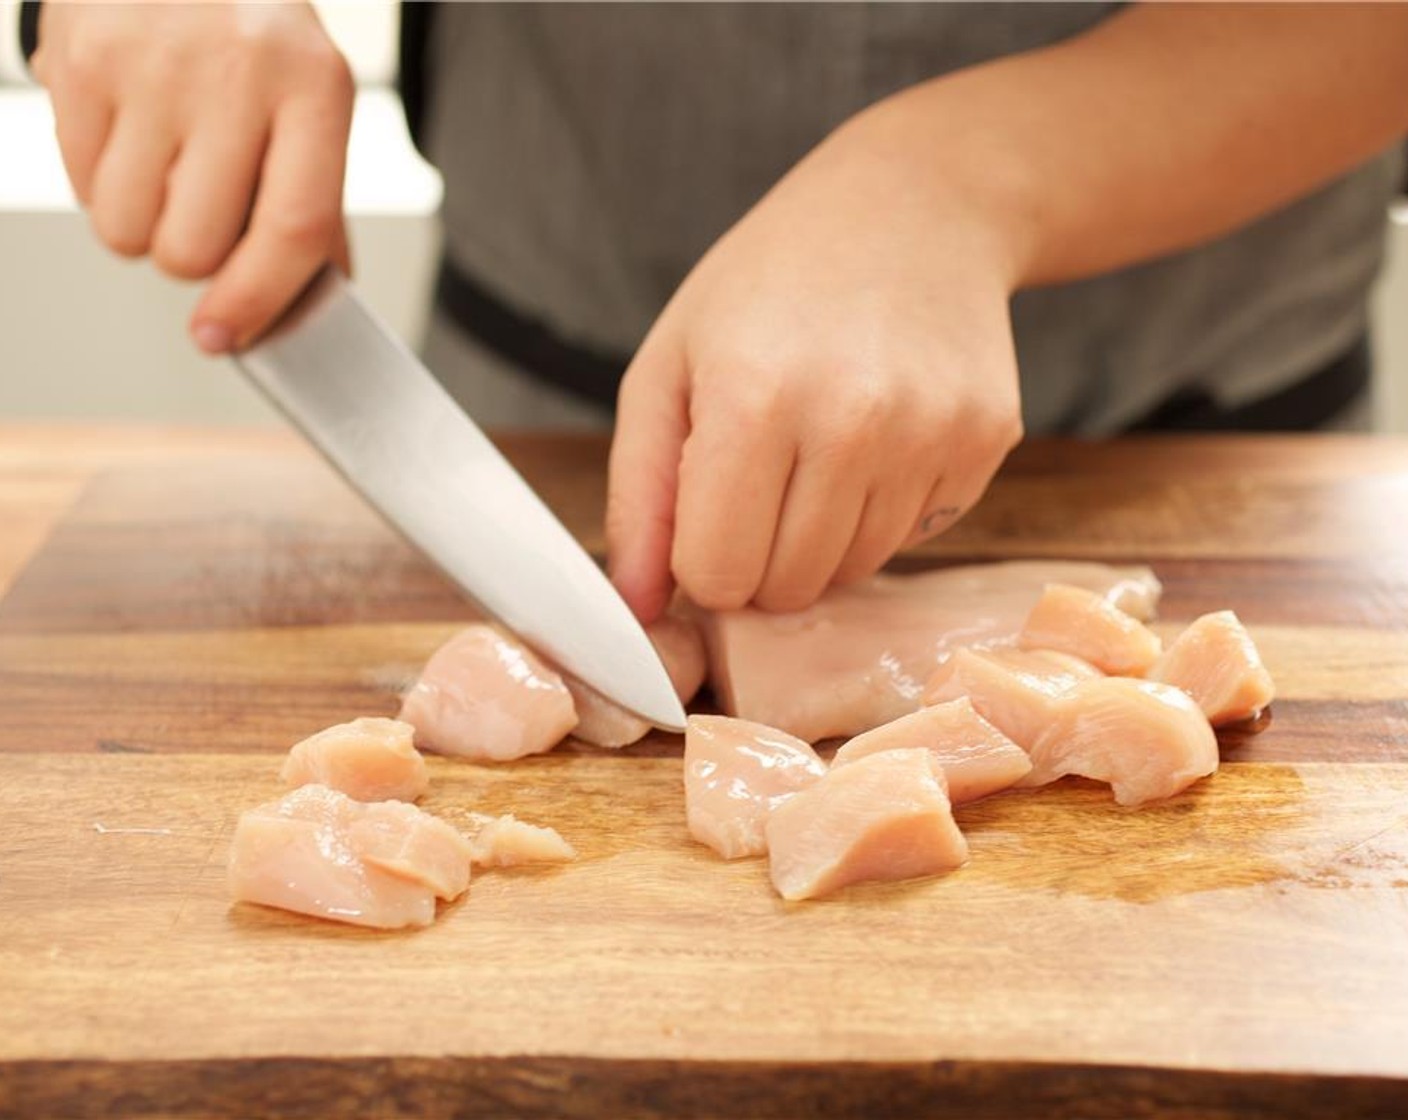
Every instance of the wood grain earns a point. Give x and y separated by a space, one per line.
1340 691
192 602
1195 934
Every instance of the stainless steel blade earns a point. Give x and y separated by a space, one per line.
393 431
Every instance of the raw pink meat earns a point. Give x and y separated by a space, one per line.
485 696
882 817
1015 690
316 851
860 656
1216 662
507 842
602 724
976 757
1148 740
735 774
1078 621
369 759
398 837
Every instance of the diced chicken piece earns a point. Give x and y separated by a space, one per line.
1148 740
735 774
1216 662
369 759
1078 621
882 817
1015 690
485 696
316 851
976 757
860 656
400 838
602 724
507 842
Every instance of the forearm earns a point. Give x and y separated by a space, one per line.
1165 126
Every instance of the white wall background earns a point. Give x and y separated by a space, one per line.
84 334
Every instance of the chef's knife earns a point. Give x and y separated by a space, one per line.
378 415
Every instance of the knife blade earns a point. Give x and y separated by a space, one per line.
383 420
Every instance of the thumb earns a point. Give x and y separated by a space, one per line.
652 421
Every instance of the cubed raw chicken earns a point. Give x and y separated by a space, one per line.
860 656
736 773
1216 662
602 724
400 838
369 759
1078 621
487 697
1015 690
976 757
882 817
507 842
1148 740
316 851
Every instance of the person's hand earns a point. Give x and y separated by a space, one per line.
212 137
834 380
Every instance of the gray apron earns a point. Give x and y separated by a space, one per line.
591 153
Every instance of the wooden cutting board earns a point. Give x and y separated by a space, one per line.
178 607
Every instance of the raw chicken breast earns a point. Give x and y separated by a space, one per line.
507 842
860 656
602 724
735 774
1076 620
397 837
316 851
1015 690
882 817
976 757
485 696
1216 662
369 759
1148 740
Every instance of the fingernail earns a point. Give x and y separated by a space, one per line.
214 338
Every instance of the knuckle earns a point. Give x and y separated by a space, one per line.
85 50
758 404
323 72
868 400
335 78
266 37
837 445
80 69
995 430
242 71
1010 432
160 74
309 228
713 587
850 431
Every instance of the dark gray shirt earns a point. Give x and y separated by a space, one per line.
591 153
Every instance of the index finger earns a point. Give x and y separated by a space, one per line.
294 228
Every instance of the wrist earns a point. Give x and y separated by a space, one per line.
962 166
